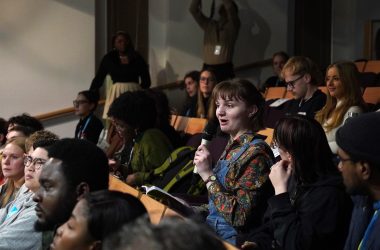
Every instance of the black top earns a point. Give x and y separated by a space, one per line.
315 216
89 128
309 107
131 72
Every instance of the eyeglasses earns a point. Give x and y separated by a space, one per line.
37 162
292 83
340 159
79 102
209 79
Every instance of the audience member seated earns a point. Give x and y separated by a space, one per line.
359 155
18 217
164 116
89 126
278 61
12 165
302 77
26 121
203 106
310 209
146 148
191 81
170 234
75 167
96 216
19 132
238 186
344 99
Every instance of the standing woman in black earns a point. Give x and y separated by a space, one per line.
127 68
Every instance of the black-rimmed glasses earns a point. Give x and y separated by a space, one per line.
79 102
291 83
37 162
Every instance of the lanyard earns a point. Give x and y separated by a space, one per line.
368 231
82 129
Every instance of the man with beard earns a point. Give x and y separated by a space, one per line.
359 155
75 167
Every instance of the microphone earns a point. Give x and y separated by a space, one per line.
207 136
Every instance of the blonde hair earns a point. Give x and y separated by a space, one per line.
300 65
201 109
352 96
10 186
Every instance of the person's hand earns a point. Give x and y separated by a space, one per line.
248 245
113 164
131 179
279 176
202 161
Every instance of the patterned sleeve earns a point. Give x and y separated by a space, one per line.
237 205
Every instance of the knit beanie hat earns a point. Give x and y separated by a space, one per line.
360 137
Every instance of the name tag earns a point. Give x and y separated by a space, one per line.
217 50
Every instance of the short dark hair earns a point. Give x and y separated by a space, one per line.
27 131
171 234
305 140
136 109
27 121
82 161
195 74
108 211
3 129
92 96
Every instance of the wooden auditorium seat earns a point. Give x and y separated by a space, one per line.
275 93
372 95
360 65
195 125
372 66
268 132
155 209
181 123
288 95
173 119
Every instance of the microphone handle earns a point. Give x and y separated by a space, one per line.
203 142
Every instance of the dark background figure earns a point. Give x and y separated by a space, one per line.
191 81
164 116
127 68
219 37
359 155
278 61
133 114
89 126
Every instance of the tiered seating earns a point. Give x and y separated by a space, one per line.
372 66
275 93
372 95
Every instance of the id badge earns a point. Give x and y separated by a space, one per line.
217 50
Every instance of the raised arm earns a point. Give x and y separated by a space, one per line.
196 12
232 12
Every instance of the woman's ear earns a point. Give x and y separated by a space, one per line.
252 111
307 78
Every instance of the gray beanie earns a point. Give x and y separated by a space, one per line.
360 137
